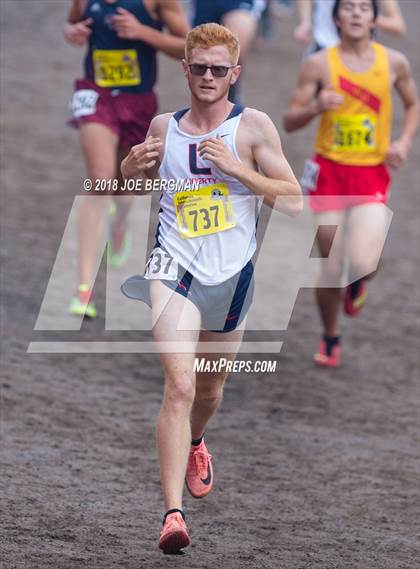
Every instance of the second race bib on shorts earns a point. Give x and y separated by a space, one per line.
161 265
116 67
355 133
310 175
206 211
83 103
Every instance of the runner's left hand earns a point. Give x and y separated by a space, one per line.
127 25
397 154
215 150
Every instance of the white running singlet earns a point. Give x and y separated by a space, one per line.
324 30
209 231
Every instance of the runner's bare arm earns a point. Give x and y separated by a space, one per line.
143 160
303 106
390 18
173 18
406 89
306 102
76 30
77 10
303 31
276 182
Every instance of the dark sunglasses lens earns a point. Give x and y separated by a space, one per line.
198 69
219 70
216 70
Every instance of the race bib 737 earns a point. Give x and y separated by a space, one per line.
203 212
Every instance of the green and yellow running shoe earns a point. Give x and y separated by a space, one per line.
81 304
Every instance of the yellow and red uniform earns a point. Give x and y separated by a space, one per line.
352 141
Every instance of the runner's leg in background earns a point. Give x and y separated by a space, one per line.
99 145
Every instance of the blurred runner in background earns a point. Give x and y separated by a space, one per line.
274 11
316 23
112 106
350 87
239 16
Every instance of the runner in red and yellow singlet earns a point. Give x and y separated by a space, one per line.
350 87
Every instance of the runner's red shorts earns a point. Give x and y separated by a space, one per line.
127 114
333 186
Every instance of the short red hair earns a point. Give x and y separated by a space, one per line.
210 35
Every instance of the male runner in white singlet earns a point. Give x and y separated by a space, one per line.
200 271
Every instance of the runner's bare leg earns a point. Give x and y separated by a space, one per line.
99 145
329 299
244 26
173 426
366 234
122 200
209 386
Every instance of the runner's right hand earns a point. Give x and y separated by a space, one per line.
329 99
141 157
77 34
303 33
397 154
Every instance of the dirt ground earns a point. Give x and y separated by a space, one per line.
315 469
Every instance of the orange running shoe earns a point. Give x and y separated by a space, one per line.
355 297
199 477
174 535
328 356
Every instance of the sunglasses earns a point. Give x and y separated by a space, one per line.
216 70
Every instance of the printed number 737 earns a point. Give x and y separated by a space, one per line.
206 217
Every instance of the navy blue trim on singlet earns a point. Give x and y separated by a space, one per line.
179 114
238 300
157 234
236 110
